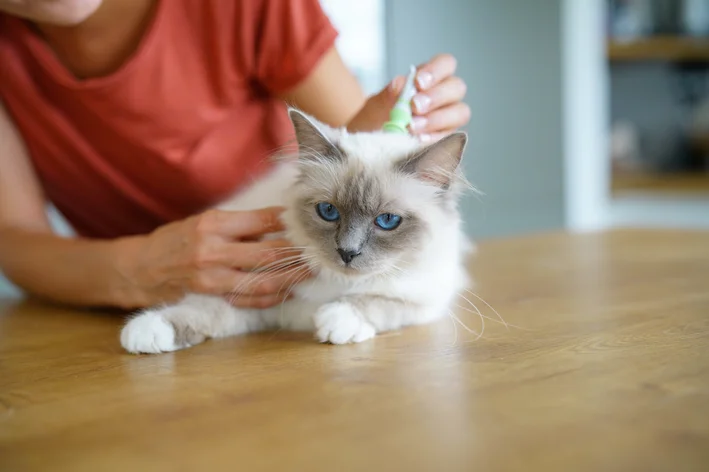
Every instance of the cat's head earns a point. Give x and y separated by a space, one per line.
364 203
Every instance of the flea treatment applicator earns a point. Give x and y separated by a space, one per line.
400 115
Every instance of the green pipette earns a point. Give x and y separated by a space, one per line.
400 116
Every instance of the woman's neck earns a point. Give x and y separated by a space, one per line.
100 44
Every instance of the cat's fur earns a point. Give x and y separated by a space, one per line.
406 276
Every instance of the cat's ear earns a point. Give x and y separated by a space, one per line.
312 143
438 162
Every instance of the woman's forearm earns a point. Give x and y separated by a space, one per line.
71 271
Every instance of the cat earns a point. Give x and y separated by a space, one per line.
377 216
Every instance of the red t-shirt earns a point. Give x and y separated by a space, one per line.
189 118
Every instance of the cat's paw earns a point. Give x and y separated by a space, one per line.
341 323
148 333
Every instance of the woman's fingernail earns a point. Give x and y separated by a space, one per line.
422 102
425 138
418 123
424 79
396 84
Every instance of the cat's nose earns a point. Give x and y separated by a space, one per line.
347 254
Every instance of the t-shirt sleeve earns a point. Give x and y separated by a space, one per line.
290 39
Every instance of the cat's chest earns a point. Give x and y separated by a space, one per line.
321 290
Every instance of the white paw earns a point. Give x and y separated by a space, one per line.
148 333
341 323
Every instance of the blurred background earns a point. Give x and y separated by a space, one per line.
587 114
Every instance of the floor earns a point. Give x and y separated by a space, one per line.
604 365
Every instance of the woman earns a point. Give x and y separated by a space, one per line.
134 116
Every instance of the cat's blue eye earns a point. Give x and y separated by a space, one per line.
327 211
387 221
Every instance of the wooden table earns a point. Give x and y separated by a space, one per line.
606 369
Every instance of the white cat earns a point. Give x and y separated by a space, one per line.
377 215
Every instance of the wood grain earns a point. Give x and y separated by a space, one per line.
607 369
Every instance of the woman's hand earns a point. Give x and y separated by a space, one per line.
438 108
212 253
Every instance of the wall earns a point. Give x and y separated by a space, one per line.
361 41
587 168
510 54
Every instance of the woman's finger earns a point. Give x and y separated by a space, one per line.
449 91
446 119
239 283
217 281
434 71
427 138
241 224
248 256
273 283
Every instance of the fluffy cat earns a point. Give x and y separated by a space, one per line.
377 215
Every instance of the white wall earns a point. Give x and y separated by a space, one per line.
361 41
586 101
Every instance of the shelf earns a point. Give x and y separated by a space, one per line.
660 48
684 183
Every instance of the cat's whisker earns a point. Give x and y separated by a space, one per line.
283 264
468 329
479 314
264 276
284 249
245 283
260 268
266 270
260 277
297 278
488 305
292 273
477 310
281 267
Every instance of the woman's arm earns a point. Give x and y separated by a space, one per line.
38 261
331 93
197 255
